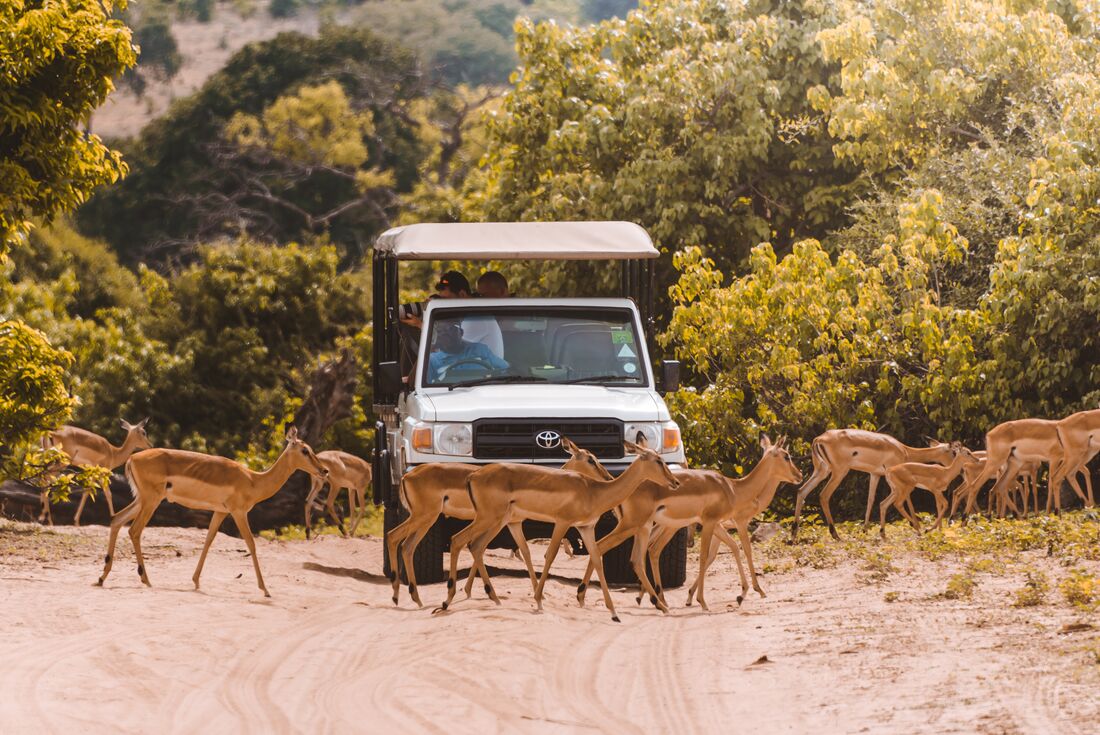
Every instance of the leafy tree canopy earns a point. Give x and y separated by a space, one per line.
186 183
57 60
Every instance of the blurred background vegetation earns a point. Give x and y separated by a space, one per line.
879 214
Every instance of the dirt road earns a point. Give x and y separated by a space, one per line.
330 653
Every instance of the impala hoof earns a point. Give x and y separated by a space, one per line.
616 618
394 598
440 610
740 599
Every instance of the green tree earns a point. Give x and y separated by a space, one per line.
690 118
184 177
57 61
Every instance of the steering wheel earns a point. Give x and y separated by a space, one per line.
466 360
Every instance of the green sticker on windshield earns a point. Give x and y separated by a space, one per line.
622 337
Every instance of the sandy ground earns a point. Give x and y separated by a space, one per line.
330 653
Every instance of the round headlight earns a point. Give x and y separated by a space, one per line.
648 432
455 439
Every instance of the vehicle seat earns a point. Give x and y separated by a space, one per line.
524 349
588 352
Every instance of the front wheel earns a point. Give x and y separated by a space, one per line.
673 562
428 558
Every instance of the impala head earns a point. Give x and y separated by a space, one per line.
777 453
302 456
652 466
958 449
583 461
137 431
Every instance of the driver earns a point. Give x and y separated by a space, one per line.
451 349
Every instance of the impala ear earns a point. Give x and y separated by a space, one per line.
143 422
632 448
292 434
126 425
765 442
570 446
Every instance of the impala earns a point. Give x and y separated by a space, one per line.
839 451
1009 446
431 489
344 471
905 477
1079 435
702 494
85 448
567 499
204 482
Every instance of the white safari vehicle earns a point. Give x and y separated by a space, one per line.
573 367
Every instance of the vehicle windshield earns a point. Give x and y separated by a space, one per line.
548 345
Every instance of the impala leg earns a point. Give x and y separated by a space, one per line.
458 542
516 529
721 534
872 490
393 540
941 508
316 484
124 516
746 545
883 508
477 548
80 508
360 495
820 473
45 514
241 519
215 524
826 495
551 552
617 535
908 514
637 560
330 506
109 497
408 549
588 535
656 546
136 529
705 540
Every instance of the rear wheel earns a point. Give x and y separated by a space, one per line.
428 558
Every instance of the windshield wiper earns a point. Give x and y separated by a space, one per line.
498 379
595 378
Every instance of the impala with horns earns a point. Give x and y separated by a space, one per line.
491 380
87 449
431 489
204 482
566 499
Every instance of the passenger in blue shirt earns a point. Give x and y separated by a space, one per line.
451 349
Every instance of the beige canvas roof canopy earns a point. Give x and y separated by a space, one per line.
517 241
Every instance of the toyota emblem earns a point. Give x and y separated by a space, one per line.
548 439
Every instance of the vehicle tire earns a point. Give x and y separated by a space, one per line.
428 559
617 566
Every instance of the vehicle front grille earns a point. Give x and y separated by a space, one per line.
515 439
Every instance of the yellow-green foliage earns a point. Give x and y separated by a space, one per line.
57 62
371 525
1033 592
1081 589
960 587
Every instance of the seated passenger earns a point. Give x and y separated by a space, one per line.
485 329
451 348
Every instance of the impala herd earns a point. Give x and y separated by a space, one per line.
650 501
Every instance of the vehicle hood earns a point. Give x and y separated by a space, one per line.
546 401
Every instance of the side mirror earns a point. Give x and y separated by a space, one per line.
670 375
389 375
